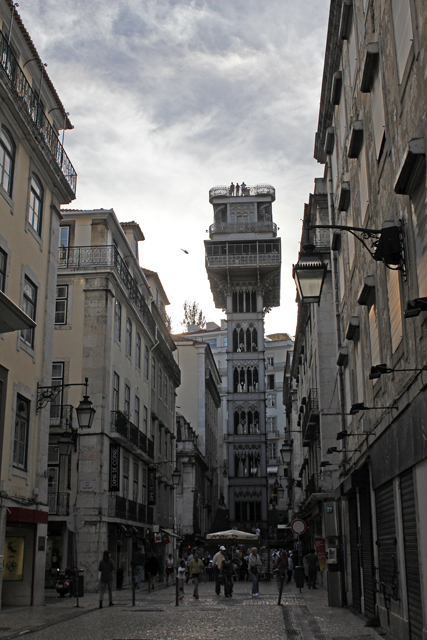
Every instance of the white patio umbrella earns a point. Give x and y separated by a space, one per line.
232 535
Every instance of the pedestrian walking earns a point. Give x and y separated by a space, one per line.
106 567
217 564
181 578
196 573
228 572
169 569
137 565
313 565
152 568
254 566
282 564
290 568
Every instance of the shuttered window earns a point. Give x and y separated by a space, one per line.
418 201
386 528
373 331
350 236
377 108
403 34
342 121
352 51
395 310
363 183
359 373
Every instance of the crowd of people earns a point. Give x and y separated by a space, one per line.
238 189
224 568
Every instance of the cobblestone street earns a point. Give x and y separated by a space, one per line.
304 616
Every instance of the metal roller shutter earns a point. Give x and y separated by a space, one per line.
386 525
410 537
367 552
354 553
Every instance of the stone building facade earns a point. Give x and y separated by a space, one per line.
36 178
371 138
108 328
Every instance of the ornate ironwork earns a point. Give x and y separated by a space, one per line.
264 226
243 260
107 256
256 190
49 394
34 109
59 503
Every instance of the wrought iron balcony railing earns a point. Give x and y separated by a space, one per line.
264 226
121 425
61 415
107 256
255 190
35 111
59 504
168 357
243 260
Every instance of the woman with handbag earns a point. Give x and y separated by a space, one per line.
254 566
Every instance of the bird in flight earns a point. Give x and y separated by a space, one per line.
185 251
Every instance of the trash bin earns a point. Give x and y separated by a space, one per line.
299 577
81 585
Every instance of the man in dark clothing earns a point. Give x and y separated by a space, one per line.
106 567
313 565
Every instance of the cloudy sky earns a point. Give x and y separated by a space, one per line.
172 97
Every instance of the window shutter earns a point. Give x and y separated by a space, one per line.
377 107
373 330
394 308
418 200
363 182
403 33
352 52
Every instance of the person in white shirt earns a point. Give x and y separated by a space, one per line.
217 565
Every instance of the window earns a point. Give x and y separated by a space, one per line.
136 412
64 243
270 381
138 351
377 109
394 303
61 304
224 341
135 481
270 362
144 486
146 362
166 445
117 320
271 425
127 399
7 159
166 389
125 477
129 337
160 387
3 263
116 388
271 400
29 306
403 33
172 397
211 342
20 442
145 420
57 380
272 450
36 204
153 372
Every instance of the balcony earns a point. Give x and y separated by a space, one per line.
61 416
121 426
59 504
107 256
34 111
273 434
264 226
310 421
256 190
125 509
244 260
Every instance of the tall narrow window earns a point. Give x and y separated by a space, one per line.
136 412
20 442
153 372
7 160
3 264
116 389
166 389
145 420
117 320
417 193
138 351
129 337
61 304
160 387
363 183
127 399
403 33
146 362
64 243
125 477
57 380
29 303
373 330
135 493
377 108
395 309
36 204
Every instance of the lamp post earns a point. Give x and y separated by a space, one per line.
309 274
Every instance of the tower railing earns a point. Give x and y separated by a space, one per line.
255 190
243 260
262 226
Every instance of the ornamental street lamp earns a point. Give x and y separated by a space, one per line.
286 453
309 274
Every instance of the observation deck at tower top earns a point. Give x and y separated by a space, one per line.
250 192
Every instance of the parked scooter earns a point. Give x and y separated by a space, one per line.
63 582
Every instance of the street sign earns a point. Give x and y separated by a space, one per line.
75 521
298 526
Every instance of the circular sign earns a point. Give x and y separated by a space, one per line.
75 521
298 526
